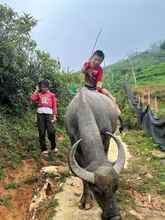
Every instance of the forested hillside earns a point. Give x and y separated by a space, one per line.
148 66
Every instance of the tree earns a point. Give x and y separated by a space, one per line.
162 45
16 49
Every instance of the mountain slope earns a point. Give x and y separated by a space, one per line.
148 67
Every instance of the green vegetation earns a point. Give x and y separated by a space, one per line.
50 205
144 176
161 112
5 201
10 186
153 75
17 139
144 147
148 66
17 56
22 65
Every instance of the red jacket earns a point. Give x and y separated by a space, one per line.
47 99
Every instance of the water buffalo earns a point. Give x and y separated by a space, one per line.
91 119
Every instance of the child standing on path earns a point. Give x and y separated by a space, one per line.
46 115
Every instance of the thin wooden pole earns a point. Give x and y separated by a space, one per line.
139 100
156 104
149 97
134 75
97 38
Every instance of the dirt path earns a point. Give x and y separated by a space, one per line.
68 201
16 190
69 198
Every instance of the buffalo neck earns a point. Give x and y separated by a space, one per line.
91 146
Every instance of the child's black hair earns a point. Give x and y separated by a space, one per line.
99 53
44 83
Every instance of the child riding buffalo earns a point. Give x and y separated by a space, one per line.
94 74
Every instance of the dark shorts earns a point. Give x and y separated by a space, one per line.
93 88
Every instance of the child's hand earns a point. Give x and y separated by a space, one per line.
54 119
37 89
89 72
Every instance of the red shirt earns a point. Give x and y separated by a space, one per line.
94 80
47 99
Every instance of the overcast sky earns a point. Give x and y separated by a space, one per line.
67 28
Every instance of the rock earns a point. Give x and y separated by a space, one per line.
62 169
136 214
77 194
52 170
149 176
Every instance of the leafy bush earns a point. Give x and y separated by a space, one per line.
17 138
16 50
21 64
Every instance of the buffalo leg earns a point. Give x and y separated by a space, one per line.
86 201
